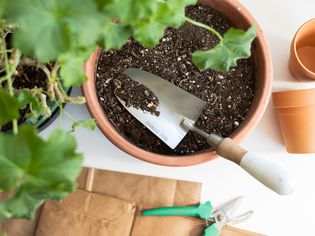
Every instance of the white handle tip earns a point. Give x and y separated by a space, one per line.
270 174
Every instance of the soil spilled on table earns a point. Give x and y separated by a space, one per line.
228 96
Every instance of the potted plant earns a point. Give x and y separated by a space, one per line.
35 81
32 86
61 35
176 52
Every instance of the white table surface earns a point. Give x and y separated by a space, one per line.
273 214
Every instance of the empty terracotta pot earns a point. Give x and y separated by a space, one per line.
241 18
302 52
296 113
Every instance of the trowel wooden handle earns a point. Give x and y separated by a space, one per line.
230 150
270 174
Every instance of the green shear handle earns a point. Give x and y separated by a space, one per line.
215 218
202 211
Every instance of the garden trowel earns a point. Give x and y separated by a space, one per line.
178 112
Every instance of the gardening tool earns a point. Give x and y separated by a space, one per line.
178 112
214 218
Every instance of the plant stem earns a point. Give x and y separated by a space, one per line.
46 109
2 79
10 69
64 98
70 116
60 113
55 69
50 90
212 30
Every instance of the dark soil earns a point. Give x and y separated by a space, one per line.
135 94
228 96
30 77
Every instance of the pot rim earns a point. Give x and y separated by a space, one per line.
89 91
294 98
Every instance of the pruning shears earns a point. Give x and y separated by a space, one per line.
214 218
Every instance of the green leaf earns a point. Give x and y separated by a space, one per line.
49 28
149 34
28 98
9 107
2 7
172 13
25 203
166 14
138 15
36 170
88 124
147 19
42 33
236 44
84 21
115 36
130 11
71 71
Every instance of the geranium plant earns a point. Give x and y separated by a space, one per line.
57 36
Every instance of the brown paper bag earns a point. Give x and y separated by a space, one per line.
148 192
19 227
83 213
232 231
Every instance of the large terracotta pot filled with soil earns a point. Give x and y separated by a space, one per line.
235 101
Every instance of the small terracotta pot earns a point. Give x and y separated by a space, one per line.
296 113
302 52
241 18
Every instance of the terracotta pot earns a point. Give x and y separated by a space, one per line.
302 52
242 19
296 113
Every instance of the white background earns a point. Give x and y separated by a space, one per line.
273 214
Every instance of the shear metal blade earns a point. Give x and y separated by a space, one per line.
230 207
222 214
240 218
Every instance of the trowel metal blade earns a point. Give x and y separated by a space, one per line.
175 104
